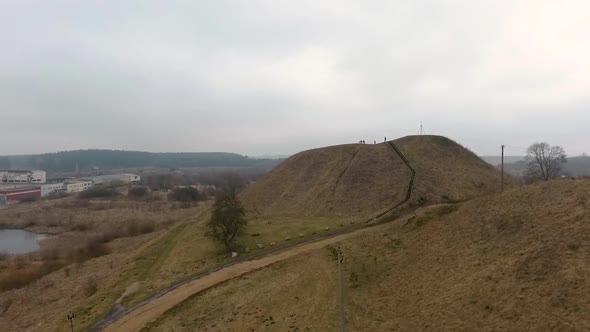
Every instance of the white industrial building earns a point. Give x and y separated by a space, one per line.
125 178
50 188
22 177
77 186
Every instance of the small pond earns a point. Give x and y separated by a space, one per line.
18 241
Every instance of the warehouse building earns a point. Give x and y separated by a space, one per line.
124 178
22 176
20 194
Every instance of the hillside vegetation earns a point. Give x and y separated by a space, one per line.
513 261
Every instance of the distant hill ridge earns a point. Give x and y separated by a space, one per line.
115 159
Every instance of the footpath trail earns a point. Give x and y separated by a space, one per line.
150 311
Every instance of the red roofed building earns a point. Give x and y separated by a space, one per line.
20 194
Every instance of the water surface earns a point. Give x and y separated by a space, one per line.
18 241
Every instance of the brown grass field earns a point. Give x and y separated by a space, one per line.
96 249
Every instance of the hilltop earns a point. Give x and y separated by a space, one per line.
361 180
512 261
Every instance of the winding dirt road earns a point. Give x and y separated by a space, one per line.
150 311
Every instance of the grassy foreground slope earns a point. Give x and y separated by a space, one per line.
513 261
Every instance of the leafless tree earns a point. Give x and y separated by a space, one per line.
545 161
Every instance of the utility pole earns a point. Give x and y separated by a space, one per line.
71 317
502 180
341 290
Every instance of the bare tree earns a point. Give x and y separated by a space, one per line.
545 161
227 218
233 182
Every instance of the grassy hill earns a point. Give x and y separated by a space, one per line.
514 261
340 185
359 180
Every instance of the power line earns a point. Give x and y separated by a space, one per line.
341 290
71 317
502 180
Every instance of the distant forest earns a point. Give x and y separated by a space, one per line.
89 160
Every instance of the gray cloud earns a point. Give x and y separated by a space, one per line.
275 77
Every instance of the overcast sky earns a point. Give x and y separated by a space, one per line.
276 77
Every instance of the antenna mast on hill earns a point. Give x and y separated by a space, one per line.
421 129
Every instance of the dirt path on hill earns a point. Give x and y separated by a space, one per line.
150 311
138 316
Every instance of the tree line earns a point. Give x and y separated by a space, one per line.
89 160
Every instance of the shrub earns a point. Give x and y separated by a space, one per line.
5 305
30 199
354 279
186 194
446 209
49 254
98 192
82 226
57 195
20 277
333 252
90 287
94 247
15 279
19 262
138 192
139 228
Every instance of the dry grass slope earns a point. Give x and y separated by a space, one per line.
446 172
513 261
346 180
